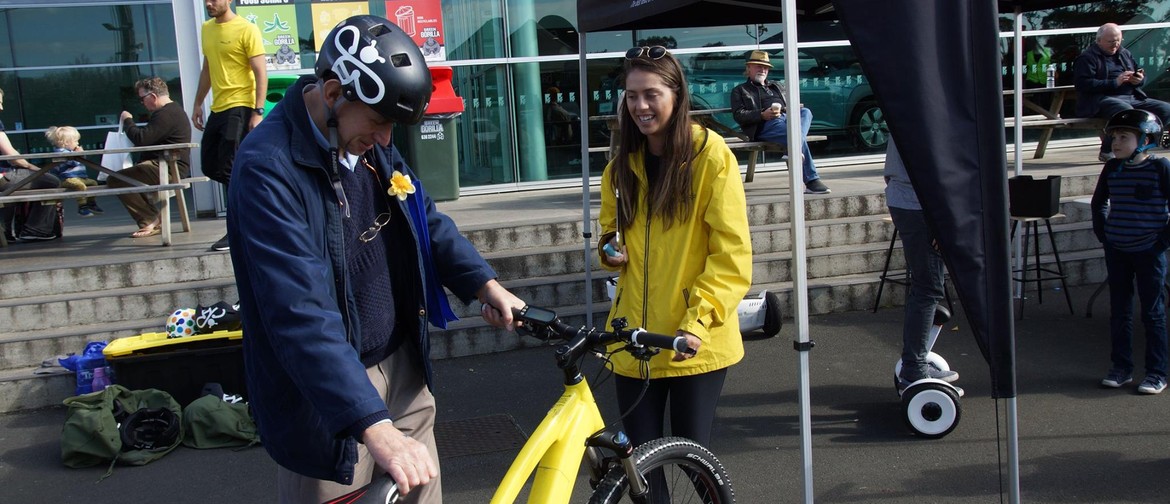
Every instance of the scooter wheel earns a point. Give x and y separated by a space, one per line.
932 409
773 314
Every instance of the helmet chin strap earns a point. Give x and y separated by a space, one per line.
1140 150
334 154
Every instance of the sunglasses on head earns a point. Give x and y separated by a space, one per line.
652 52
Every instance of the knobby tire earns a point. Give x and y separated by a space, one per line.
692 475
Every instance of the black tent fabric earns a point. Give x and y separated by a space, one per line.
935 68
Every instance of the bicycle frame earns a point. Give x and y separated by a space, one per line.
554 450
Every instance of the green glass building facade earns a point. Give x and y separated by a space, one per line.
515 66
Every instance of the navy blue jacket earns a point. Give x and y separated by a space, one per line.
1092 82
306 385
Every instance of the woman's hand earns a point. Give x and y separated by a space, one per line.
618 257
693 342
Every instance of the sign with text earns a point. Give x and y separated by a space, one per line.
327 14
423 21
277 20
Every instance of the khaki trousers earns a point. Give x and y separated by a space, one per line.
412 407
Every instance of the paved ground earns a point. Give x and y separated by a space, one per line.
1079 443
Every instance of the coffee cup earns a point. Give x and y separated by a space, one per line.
776 108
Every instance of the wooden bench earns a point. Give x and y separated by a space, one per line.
735 139
740 142
168 171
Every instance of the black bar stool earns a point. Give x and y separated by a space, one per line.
1042 274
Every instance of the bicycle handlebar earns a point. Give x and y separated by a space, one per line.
543 323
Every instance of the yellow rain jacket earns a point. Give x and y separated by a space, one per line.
691 276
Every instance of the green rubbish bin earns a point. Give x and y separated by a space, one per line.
432 146
277 85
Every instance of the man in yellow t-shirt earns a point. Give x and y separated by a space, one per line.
235 72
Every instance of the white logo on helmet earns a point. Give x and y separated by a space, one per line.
346 60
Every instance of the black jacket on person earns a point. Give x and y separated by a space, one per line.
1092 82
748 101
167 125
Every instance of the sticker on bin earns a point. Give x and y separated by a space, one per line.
158 342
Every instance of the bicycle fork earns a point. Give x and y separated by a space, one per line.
615 440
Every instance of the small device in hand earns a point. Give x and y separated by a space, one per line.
610 250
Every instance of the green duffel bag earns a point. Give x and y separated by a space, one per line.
133 427
211 422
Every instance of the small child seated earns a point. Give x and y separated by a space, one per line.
73 175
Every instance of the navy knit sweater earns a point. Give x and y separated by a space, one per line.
1137 213
369 272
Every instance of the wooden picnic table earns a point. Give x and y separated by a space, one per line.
1048 118
169 180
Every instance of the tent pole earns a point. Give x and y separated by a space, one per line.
1018 134
1012 420
1013 452
586 221
799 267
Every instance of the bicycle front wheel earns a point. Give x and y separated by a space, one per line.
678 470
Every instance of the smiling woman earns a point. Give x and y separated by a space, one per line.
682 213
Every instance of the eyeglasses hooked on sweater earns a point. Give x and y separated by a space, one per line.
381 220
652 52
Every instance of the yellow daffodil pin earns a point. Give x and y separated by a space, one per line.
400 185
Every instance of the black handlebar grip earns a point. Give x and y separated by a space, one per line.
676 343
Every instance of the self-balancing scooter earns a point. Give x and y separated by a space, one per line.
931 405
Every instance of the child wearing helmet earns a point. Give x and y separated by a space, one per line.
1131 219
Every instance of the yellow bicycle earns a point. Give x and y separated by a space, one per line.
572 434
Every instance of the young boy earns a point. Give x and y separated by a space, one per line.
1130 217
72 173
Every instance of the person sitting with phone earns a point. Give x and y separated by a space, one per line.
1108 81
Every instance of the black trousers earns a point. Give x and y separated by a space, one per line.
692 406
41 216
222 135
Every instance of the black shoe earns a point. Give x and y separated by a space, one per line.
30 236
221 244
97 210
815 186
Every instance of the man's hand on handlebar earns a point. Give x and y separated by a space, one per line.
498 303
405 459
693 343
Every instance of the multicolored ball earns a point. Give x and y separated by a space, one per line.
181 323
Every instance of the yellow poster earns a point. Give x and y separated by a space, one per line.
327 14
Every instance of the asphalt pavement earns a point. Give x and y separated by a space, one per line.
1079 443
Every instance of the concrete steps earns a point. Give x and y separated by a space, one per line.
53 311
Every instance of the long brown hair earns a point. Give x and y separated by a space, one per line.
672 198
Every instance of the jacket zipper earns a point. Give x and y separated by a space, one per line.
646 263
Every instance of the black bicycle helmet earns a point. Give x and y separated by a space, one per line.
1144 122
149 429
379 65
